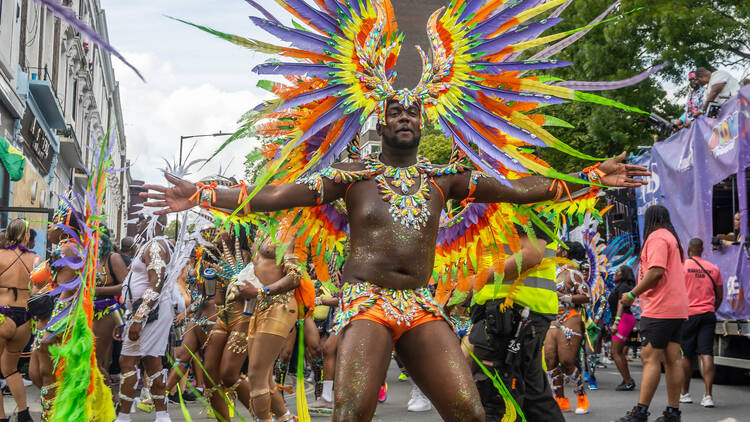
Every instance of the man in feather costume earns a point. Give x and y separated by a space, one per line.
473 90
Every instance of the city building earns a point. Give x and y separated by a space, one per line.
58 98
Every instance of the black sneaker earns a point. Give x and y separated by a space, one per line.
6 391
188 396
634 416
670 416
24 416
174 398
626 386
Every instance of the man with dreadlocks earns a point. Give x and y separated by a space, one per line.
385 301
664 301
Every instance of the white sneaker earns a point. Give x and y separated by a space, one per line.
707 401
607 361
418 402
26 382
685 398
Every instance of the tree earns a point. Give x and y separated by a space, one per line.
434 145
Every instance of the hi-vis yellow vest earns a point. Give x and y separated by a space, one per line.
537 292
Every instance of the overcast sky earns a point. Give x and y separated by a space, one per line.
196 83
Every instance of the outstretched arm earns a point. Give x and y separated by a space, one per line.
532 189
182 196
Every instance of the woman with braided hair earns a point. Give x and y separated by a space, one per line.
16 263
565 335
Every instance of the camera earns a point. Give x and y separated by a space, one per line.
663 127
712 110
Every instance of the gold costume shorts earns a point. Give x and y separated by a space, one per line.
230 317
275 315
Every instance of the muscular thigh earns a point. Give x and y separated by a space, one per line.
263 350
363 355
214 349
20 339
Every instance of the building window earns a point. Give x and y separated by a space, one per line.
75 99
725 204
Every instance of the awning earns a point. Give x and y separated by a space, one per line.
12 159
45 98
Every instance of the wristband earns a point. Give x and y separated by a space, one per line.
631 295
241 197
267 290
204 195
617 319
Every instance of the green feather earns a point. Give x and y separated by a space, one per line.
554 121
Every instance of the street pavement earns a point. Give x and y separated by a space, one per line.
606 404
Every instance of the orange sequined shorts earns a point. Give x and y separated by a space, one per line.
397 310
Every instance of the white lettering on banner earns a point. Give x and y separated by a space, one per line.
686 162
648 192
724 135
733 288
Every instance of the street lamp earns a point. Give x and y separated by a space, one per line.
182 138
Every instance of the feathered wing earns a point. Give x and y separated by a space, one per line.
81 393
474 90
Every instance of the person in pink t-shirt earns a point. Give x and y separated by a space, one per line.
664 301
704 288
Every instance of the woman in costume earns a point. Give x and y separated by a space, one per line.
271 286
622 324
109 277
50 278
16 264
201 314
226 346
565 335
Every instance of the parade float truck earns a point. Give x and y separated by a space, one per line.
702 175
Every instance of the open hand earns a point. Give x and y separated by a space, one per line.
172 199
621 175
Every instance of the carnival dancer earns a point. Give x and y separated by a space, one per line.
386 271
344 73
271 286
565 335
226 347
153 299
201 315
16 264
109 277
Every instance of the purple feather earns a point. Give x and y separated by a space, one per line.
603 86
263 11
330 116
348 131
560 45
70 17
494 45
495 68
67 286
515 95
73 262
298 38
486 146
448 129
490 120
561 9
470 7
315 17
312 96
494 22
309 69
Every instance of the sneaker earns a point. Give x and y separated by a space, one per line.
189 396
686 398
582 406
626 386
592 383
174 398
402 377
26 382
383 394
418 402
670 416
634 416
707 401
606 361
6 391
321 406
564 403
